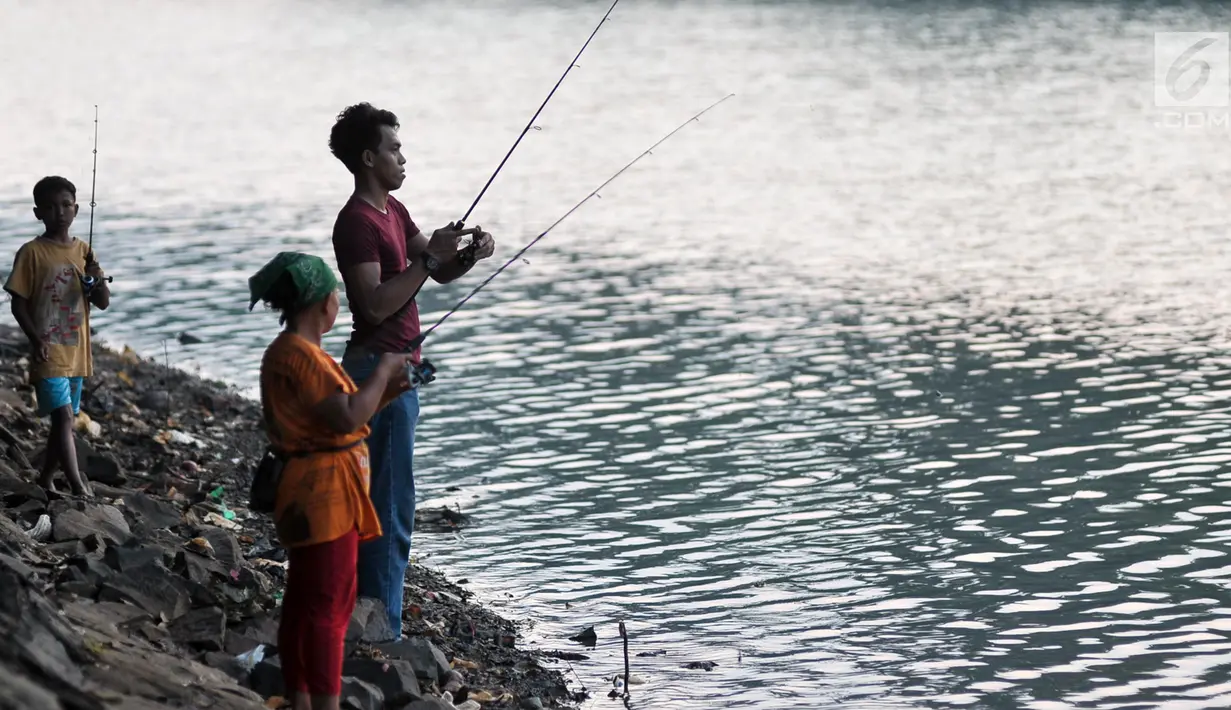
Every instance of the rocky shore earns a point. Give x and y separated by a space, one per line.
163 590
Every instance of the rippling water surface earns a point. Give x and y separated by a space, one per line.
900 380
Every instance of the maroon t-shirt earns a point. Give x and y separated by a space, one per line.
363 234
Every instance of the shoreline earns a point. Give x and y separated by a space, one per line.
156 592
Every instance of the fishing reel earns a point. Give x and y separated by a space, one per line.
466 254
420 374
88 283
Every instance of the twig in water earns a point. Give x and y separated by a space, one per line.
624 635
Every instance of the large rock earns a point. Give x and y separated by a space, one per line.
130 556
369 622
198 569
226 547
100 468
259 630
226 663
19 693
36 637
153 588
396 679
83 575
12 537
201 629
14 489
15 565
429 662
358 695
266 678
155 400
151 513
68 548
76 521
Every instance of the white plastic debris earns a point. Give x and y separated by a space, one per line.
175 436
42 529
447 697
218 520
248 661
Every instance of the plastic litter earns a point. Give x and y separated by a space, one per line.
447 697
248 660
41 529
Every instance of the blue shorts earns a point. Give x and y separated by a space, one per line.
56 392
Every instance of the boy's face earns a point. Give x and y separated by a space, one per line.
58 213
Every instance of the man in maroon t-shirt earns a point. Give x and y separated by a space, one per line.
385 260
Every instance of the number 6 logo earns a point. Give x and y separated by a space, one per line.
1191 69
1182 64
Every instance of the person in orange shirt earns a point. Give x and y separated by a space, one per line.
316 419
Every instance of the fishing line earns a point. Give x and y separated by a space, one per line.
422 336
533 118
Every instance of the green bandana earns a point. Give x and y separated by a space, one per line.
313 278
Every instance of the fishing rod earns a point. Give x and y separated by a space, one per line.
89 282
461 222
93 178
425 372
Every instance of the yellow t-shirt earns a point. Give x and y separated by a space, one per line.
47 274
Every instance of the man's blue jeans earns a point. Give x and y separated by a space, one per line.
391 447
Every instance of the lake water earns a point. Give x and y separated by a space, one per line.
899 380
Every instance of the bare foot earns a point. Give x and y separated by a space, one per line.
47 481
80 484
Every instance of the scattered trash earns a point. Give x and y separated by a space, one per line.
41 529
247 661
224 523
83 423
167 437
447 699
200 546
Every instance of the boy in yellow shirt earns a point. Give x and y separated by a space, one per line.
52 305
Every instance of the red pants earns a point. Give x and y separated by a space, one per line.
316 610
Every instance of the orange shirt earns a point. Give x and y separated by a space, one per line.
325 495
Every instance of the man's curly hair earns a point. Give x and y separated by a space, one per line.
356 130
